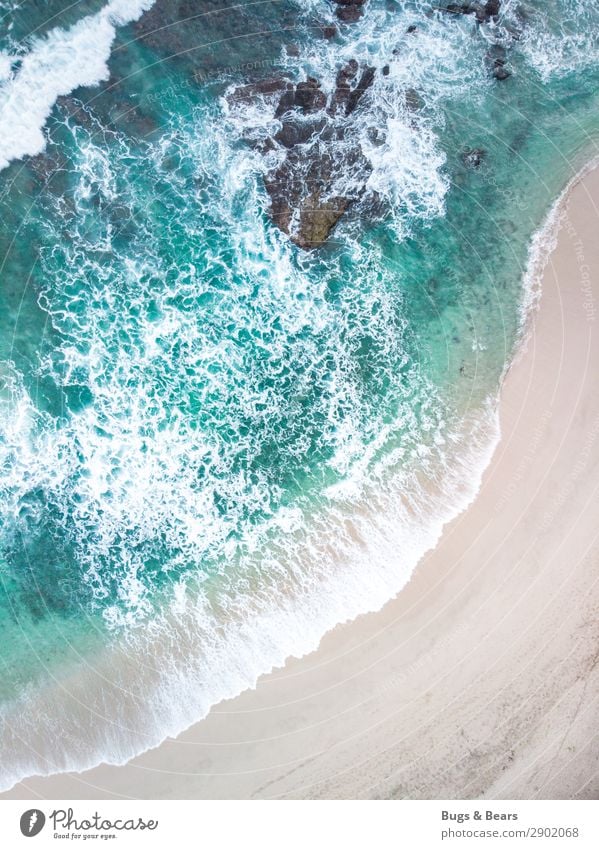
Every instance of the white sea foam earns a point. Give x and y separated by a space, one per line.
6 62
559 37
55 65
203 650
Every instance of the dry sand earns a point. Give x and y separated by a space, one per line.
481 679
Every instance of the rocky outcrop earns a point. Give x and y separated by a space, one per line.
413 100
343 87
500 72
473 157
323 170
308 97
365 81
492 8
302 205
483 12
496 59
318 216
349 11
248 93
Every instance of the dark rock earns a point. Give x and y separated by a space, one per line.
372 205
286 102
496 58
271 86
204 37
414 101
473 157
329 32
306 199
265 146
342 91
501 73
318 217
483 12
304 202
280 205
309 97
45 166
248 93
289 134
324 171
295 132
385 70
349 11
364 84
458 8
349 14
348 72
376 136
412 28
133 119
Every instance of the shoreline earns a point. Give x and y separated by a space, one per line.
421 699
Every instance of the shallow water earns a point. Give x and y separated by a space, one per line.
215 446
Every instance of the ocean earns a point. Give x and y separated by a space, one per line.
216 445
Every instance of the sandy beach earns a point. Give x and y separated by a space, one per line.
481 678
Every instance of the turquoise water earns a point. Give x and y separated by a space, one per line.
215 446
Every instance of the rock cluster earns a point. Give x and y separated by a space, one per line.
349 11
323 171
483 12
